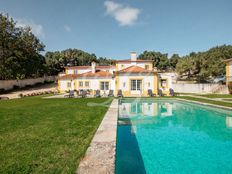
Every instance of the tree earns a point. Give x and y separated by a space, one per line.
19 51
56 61
174 60
205 65
160 60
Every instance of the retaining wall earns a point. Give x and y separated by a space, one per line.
9 84
200 88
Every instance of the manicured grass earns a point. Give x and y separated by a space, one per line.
221 103
216 95
228 99
47 135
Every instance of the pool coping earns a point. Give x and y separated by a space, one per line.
186 100
100 155
205 104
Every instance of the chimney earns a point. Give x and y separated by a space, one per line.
93 64
133 56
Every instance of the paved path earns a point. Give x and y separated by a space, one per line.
100 156
43 88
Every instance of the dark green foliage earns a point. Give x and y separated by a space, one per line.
19 51
161 61
20 54
173 61
56 61
204 65
201 66
103 61
20 57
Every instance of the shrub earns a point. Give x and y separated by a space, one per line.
20 95
38 84
28 86
16 87
48 81
2 90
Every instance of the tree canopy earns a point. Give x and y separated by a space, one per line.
202 66
56 61
19 51
20 57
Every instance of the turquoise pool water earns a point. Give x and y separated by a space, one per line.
173 137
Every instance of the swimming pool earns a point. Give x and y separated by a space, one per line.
161 136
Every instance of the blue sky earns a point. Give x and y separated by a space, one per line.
114 28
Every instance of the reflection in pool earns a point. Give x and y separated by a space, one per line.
173 137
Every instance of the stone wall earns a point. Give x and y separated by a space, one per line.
200 88
9 84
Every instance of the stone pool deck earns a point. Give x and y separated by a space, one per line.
100 156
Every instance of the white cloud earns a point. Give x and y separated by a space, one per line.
37 29
125 15
67 28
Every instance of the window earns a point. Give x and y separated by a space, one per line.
124 84
136 85
75 71
80 84
163 83
87 84
146 67
104 85
149 84
69 84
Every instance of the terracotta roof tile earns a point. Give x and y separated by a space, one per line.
88 67
135 69
68 76
98 73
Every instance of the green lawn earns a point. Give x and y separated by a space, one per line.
216 95
47 135
221 103
228 99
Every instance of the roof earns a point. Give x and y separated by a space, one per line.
138 60
98 73
68 76
88 67
228 60
135 69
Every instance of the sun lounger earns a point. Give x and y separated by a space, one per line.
97 94
150 93
120 93
171 92
83 94
160 93
111 93
70 94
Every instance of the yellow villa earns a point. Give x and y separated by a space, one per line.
229 74
133 77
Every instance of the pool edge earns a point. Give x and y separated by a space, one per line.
206 104
100 155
